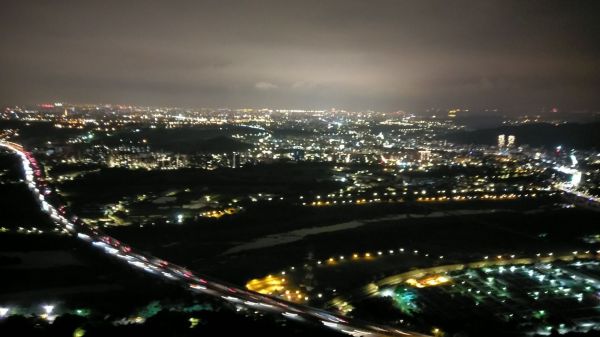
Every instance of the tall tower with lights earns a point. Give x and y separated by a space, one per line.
511 141
501 141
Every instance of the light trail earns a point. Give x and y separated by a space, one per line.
174 273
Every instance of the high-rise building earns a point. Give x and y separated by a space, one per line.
424 155
452 113
235 160
501 141
511 141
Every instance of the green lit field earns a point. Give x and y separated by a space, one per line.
560 296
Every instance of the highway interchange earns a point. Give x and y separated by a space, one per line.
180 275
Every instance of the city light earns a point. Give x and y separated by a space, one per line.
48 309
379 168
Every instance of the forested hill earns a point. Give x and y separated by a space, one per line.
570 135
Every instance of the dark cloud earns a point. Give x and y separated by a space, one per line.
355 54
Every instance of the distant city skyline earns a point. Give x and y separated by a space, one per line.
381 168
516 56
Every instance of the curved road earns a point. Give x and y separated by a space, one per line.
184 277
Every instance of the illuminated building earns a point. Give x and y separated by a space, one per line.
511 141
424 155
501 141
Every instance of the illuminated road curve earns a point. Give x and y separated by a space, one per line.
174 273
570 186
375 288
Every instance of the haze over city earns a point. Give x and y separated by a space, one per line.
300 168
518 56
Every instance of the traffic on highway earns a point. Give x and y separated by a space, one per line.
181 275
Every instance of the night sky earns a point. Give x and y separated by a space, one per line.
383 55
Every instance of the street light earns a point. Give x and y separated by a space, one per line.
48 309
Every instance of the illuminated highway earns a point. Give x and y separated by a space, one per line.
570 186
172 272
